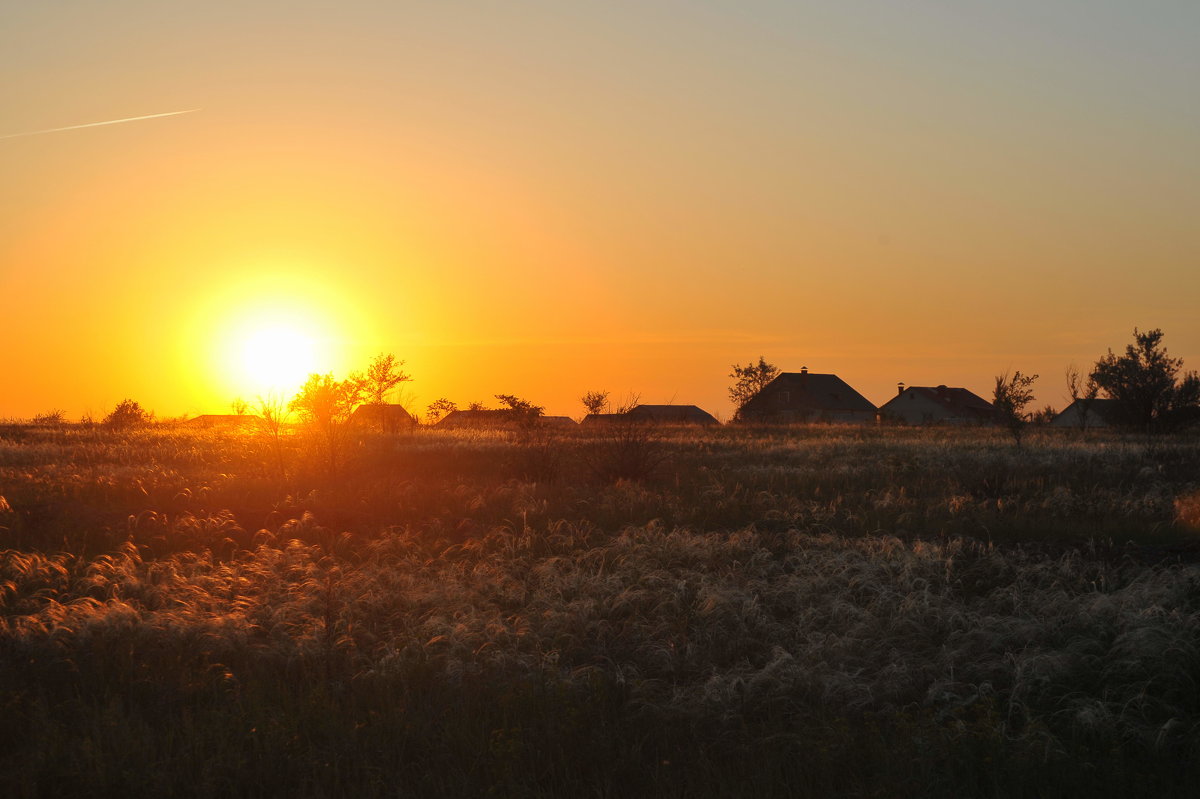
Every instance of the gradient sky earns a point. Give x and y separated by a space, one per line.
543 198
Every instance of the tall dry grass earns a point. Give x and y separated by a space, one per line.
770 613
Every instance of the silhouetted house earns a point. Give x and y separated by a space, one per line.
937 405
556 421
671 414
804 396
653 414
1098 412
602 419
388 418
223 421
484 419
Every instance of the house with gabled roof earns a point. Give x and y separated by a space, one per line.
482 419
222 421
1088 413
937 405
563 422
671 414
807 397
654 414
388 418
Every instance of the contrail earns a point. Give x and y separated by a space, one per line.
99 124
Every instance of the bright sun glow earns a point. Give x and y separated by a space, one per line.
275 357
263 334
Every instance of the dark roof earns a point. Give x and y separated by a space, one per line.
391 410
504 417
603 418
672 414
390 416
556 421
956 401
812 391
1102 409
659 414
221 420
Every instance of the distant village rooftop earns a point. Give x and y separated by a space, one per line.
806 396
655 414
208 420
937 405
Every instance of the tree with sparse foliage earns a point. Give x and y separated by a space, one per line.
128 414
595 401
439 408
324 406
1146 383
382 377
1011 396
748 380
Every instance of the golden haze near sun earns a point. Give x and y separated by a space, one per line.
263 335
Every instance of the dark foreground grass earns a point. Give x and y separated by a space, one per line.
801 613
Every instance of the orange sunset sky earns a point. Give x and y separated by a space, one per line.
542 198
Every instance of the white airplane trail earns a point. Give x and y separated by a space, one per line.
99 124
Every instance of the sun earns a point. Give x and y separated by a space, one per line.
262 333
276 356
270 349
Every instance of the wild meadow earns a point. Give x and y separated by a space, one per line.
736 611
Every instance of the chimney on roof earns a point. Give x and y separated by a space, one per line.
900 388
803 370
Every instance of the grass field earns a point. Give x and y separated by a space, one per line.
729 612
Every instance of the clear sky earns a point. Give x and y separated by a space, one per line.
543 198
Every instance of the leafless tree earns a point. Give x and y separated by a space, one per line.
271 423
595 401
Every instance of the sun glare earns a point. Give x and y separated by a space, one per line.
270 349
275 357
264 332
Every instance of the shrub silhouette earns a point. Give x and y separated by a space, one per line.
128 414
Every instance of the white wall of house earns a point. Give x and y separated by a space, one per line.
1072 416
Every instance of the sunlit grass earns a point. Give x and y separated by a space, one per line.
810 612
